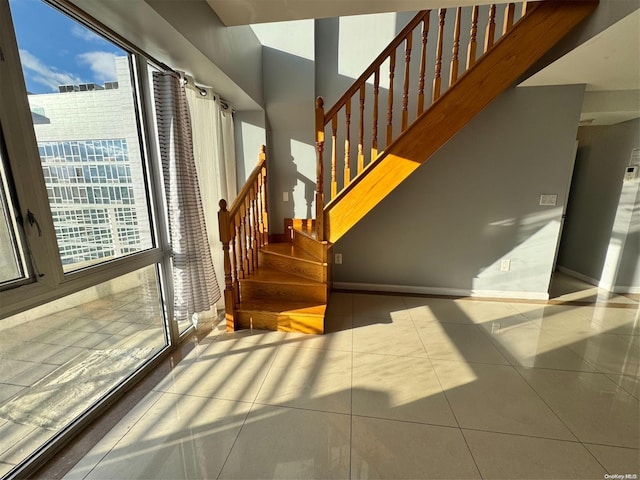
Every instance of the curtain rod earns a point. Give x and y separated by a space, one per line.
75 12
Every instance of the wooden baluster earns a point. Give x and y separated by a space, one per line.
423 61
334 156
491 29
437 81
405 91
265 211
509 12
453 74
392 69
224 229
236 255
473 35
525 8
260 210
239 223
254 223
247 240
319 169
374 133
247 234
347 146
361 131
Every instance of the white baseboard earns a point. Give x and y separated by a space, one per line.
579 276
597 283
454 292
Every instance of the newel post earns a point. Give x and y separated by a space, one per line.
320 169
224 227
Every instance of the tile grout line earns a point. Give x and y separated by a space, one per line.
444 392
253 402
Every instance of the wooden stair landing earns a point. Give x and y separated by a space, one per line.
289 290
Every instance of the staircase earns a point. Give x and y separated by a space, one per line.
285 286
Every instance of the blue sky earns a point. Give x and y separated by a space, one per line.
56 50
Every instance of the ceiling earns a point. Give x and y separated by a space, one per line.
609 66
607 63
246 12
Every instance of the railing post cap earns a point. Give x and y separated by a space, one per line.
319 102
223 205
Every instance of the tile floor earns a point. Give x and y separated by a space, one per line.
46 362
401 387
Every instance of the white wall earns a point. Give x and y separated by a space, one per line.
447 228
288 75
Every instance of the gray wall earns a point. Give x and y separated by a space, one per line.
250 132
475 203
603 154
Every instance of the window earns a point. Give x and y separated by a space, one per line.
81 263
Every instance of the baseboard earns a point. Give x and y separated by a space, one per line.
453 292
596 283
578 275
624 290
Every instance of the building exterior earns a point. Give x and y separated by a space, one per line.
90 153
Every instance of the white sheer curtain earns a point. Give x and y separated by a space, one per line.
215 158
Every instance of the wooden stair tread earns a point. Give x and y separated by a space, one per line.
282 306
271 275
287 249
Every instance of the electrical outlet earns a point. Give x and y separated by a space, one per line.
548 199
285 196
337 259
505 266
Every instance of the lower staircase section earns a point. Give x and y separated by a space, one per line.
271 286
289 290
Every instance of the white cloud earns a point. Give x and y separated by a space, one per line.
102 64
85 34
44 74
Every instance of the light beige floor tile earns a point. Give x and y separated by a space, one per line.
277 442
110 440
465 343
309 378
617 460
331 340
620 321
628 383
403 450
513 457
480 311
17 447
340 303
496 398
531 346
230 370
406 388
180 436
12 434
389 338
590 404
375 308
616 354
5 468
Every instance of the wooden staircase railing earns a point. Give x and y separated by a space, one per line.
371 138
244 228
388 146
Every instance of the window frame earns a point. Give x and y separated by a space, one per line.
49 281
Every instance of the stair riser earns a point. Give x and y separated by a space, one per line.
284 322
286 291
310 245
294 266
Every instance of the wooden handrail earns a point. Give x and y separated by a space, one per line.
243 228
390 116
395 43
239 201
